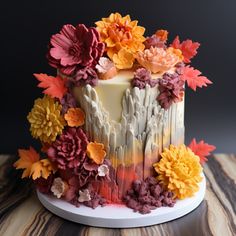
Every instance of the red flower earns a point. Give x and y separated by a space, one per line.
69 150
75 47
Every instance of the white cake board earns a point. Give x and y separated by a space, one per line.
113 216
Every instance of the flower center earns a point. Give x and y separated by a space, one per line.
120 32
75 50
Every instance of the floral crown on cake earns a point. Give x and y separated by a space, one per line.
69 159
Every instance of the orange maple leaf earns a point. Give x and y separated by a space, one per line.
42 168
27 159
194 78
188 48
54 86
201 149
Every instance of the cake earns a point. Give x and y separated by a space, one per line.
111 120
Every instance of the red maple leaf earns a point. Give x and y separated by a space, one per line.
201 149
54 86
194 78
188 48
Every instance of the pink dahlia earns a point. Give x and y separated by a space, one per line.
69 150
75 47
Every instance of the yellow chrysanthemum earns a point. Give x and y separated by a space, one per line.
118 33
45 119
179 171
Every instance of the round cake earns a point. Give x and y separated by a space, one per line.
111 121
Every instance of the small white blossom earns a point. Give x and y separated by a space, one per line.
84 195
103 170
58 187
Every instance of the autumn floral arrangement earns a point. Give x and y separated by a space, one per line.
75 168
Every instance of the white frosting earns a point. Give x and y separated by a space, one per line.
143 131
110 92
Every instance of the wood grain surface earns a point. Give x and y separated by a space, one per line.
22 214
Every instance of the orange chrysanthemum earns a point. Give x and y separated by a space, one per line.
75 117
96 152
179 171
118 33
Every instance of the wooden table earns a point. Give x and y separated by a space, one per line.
22 214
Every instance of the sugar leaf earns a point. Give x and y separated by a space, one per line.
42 168
54 86
194 78
188 48
201 149
27 159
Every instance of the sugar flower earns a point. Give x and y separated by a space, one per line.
118 33
123 59
46 121
146 195
75 117
44 185
171 90
84 76
59 187
106 68
68 101
157 40
179 171
162 35
73 47
154 41
142 77
103 170
96 152
158 59
84 195
69 149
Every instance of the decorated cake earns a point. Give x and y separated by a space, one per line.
111 120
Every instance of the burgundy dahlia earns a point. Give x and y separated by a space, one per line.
84 76
146 195
171 90
44 185
69 149
75 47
68 101
142 77
154 41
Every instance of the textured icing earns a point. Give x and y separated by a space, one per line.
145 128
110 92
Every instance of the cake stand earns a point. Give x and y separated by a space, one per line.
119 216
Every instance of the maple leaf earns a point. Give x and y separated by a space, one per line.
42 168
201 149
54 86
188 48
27 159
194 78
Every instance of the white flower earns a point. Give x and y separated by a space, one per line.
103 170
59 187
84 195
104 65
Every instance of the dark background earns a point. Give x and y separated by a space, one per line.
26 27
